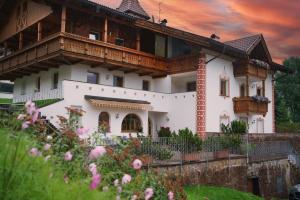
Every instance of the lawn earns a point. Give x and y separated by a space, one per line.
5 101
217 193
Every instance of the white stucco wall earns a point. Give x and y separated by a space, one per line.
217 105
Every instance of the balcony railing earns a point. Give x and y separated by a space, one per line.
249 105
244 69
79 48
41 95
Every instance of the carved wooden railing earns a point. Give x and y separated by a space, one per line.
249 105
183 64
243 69
83 48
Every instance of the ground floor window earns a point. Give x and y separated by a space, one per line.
131 123
103 122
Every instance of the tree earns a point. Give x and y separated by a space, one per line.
287 91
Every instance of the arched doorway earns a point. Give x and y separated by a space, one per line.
150 127
132 123
103 122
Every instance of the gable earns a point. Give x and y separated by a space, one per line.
24 14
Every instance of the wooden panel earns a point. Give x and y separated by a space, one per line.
248 105
183 64
94 50
243 69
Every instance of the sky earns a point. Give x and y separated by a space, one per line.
277 20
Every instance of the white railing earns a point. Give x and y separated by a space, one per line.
161 102
41 95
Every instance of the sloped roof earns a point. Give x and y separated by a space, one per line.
133 7
245 44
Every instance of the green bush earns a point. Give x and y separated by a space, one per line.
288 127
192 141
235 127
164 132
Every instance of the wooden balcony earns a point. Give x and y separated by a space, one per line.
246 105
244 69
65 48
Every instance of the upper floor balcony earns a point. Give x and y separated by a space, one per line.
250 105
252 69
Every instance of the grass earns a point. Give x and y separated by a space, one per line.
35 179
5 101
217 193
43 103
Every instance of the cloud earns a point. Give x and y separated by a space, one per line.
231 19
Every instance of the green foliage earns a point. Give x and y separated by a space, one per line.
235 127
164 132
42 103
5 101
26 177
186 136
287 91
288 127
217 193
154 149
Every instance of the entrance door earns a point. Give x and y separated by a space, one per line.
260 126
253 186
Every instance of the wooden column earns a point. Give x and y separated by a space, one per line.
263 88
247 86
63 19
105 29
39 27
138 40
20 40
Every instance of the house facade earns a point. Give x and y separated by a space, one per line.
131 74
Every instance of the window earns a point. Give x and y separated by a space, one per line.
55 80
258 91
6 88
131 123
118 81
146 85
93 77
103 122
38 84
242 90
224 87
94 36
191 86
23 88
120 42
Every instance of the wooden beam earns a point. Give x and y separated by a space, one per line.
114 68
39 27
63 19
138 40
247 86
263 88
130 71
146 74
105 29
21 40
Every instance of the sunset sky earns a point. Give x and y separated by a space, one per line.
278 20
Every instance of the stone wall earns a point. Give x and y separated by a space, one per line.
275 177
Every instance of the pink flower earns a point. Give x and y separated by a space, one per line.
30 107
170 195
148 193
82 133
21 117
137 164
93 168
96 179
68 156
47 147
25 125
34 152
126 179
35 116
97 152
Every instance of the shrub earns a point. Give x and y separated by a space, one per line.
164 132
192 141
235 127
288 127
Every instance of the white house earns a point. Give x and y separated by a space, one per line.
134 74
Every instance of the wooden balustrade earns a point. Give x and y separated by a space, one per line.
247 105
78 47
243 69
184 64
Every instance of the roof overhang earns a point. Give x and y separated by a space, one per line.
105 102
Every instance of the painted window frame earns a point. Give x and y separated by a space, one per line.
227 87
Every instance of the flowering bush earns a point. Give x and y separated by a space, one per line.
117 169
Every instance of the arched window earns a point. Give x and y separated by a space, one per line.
131 123
103 122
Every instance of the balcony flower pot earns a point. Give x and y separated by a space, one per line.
195 156
222 154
